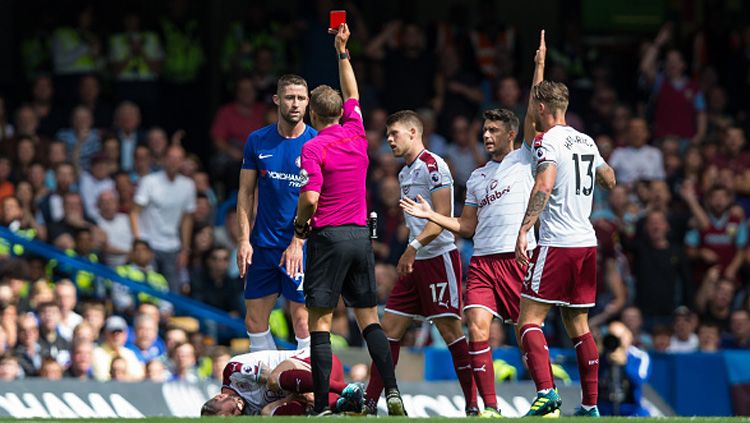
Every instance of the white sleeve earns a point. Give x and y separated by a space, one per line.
142 193
440 177
190 205
471 198
545 150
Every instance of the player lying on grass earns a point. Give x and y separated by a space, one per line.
278 383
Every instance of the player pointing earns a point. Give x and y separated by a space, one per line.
562 270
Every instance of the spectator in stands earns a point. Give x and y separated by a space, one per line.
74 218
49 116
457 91
709 337
89 90
660 269
125 192
680 109
95 182
173 337
81 366
118 370
94 313
51 369
157 372
115 336
402 49
20 222
163 216
127 126
723 240
6 128
230 128
465 153
81 140
183 363
25 154
638 160
147 345
28 350
116 227
136 58
213 285
26 122
739 330
76 51
111 152
83 332
432 140
220 356
157 143
714 298
9 368
66 299
632 317
392 232
50 341
50 209
684 338
139 269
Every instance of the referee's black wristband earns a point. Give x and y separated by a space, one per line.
344 55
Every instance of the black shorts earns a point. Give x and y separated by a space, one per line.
340 261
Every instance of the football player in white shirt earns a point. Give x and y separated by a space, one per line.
430 284
276 383
495 203
562 270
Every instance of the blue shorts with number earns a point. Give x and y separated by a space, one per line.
265 277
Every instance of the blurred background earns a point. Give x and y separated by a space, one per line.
93 93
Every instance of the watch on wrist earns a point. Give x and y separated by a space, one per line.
344 55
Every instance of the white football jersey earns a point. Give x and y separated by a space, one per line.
241 373
565 221
428 173
500 192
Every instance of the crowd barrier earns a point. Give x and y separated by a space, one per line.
74 400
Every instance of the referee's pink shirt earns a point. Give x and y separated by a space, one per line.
334 163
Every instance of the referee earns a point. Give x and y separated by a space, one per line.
332 211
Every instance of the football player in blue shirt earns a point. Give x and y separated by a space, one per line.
272 162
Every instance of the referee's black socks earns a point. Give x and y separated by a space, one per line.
321 360
380 352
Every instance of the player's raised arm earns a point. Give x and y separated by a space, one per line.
346 72
529 129
463 225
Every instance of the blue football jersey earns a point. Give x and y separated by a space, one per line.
277 160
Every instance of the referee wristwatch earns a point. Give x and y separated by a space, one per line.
301 230
345 55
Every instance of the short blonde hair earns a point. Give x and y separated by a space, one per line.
554 95
326 103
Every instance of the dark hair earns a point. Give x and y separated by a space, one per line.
407 117
46 304
139 241
507 117
210 408
289 79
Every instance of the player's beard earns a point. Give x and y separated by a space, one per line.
291 120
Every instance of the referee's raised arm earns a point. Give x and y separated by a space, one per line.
332 215
346 73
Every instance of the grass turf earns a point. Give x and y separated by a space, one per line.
299 419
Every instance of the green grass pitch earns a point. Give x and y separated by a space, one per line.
388 419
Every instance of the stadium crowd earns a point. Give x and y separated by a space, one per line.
107 132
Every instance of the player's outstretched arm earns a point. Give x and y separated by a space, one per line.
529 130
546 173
605 176
346 72
464 225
